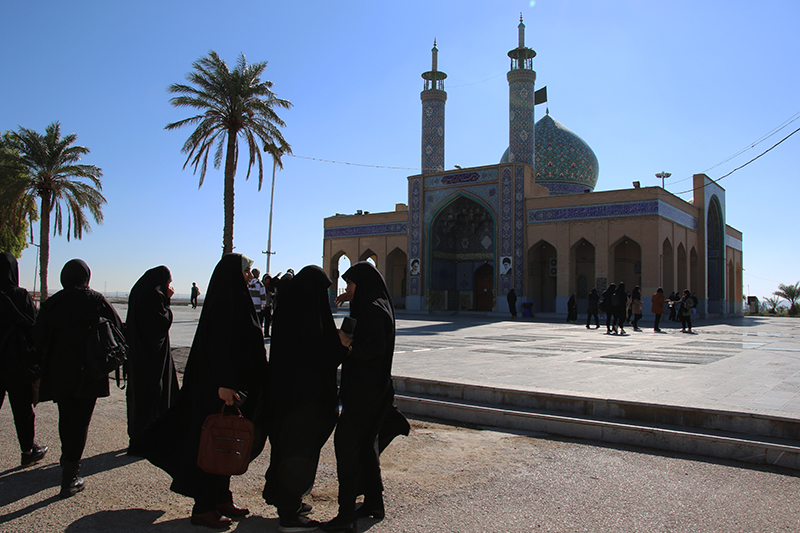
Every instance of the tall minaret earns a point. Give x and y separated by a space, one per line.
521 82
433 99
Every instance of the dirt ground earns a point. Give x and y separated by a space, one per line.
440 478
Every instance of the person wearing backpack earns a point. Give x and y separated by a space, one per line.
63 329
19 365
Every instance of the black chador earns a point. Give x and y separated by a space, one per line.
152 380
304 353
228 352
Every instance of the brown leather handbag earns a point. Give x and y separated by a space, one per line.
226 441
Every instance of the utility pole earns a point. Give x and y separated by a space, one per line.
269 251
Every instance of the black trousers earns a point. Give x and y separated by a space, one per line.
20 396
686 321
589 316
74 416
357 461
658 319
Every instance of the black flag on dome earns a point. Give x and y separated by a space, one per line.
540 96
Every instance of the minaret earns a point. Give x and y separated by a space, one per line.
433 99
521 83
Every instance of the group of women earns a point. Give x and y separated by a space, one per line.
293 399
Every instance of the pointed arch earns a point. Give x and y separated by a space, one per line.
396 269
667 264
715 256
627 256
542 276
683 270
582 271
462 238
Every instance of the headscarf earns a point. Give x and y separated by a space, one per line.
371 290
623 296
75 273
149 312
636 294
9 271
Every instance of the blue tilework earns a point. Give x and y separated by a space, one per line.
521 120
519 227
616 210
460 178
415 230
436 198
433 103
366 230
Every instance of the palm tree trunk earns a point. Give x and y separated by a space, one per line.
230 173
44 244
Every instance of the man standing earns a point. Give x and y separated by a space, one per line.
194 295
258 293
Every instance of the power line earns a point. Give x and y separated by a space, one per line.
742 166
351 164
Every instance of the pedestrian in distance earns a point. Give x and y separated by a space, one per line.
62 332
685 311
258 293
592 309
194 295
266 318
608 307
20 366
636 307
572 308
511 298
657 308
619 300
152 379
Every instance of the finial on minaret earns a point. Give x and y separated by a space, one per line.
434 57
521 32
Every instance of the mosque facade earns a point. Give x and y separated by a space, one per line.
534 223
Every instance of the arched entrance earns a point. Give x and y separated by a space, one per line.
667 266
395 276
715 239
462 242
683 268
627 263
582 278
542 277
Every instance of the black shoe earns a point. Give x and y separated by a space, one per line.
297 523
71 482
34 456
213 519
304 510
363 511
339 525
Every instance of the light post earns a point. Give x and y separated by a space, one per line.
663 176
269 251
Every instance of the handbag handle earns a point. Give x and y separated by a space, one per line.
238 411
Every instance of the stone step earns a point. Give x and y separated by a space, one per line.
740 436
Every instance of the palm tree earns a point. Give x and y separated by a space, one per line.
230 103
47 166
773 303
791 293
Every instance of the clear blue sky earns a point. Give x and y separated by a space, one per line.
651 86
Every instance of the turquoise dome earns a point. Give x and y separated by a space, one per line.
565 164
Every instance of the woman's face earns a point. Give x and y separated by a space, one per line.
247 274
350 290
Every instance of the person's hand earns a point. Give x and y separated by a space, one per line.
345 338
342 298
170 290
227 395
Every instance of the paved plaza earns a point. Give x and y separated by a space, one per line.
447 478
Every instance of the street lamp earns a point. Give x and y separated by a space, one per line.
663 176
269 251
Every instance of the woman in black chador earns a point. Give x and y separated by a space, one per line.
608 307
303 404
620 302
369 419
19 366
62 333
152 380
227 362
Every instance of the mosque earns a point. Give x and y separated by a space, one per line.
534 223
